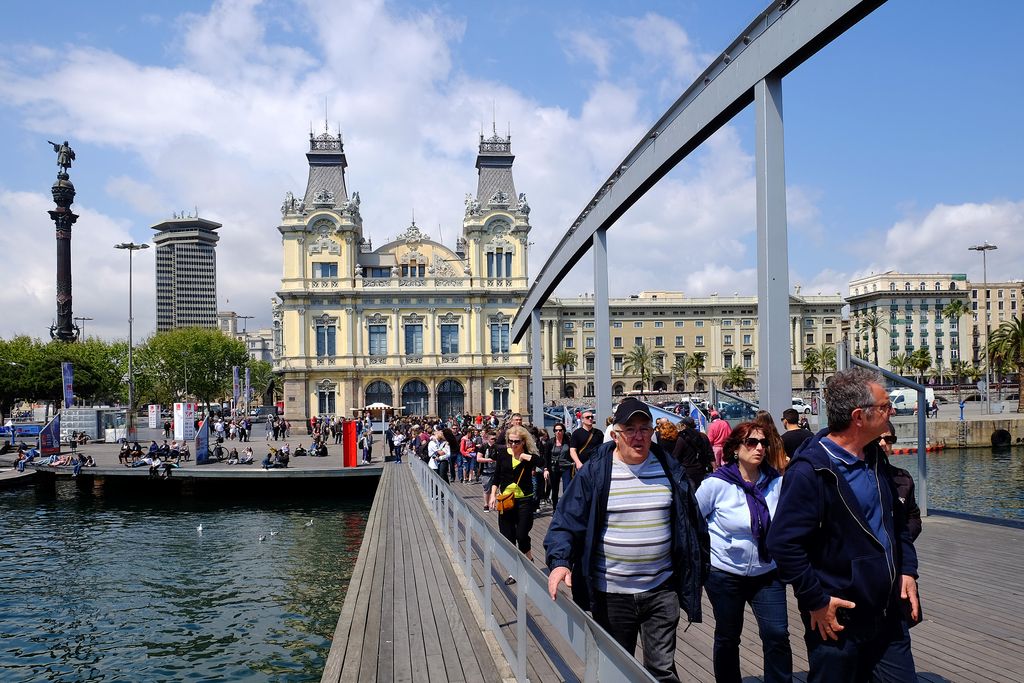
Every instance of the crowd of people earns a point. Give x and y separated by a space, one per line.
653 513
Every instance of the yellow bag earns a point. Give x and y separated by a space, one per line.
504 501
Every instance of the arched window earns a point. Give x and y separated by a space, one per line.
892 286
379 392
638 386
570 391
748 385
810 383
660 386
680 387
450 398
906 286
938 286
921 286
414 397
618 389
952 286
700 386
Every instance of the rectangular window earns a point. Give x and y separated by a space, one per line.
638 323
748 361
828 338
500 399
617 324
699 323
325 401
746 322
617 363
449 338
658 323
810 337
499 340
490 264
679 341
589 342
413 340
659 341
638 341
325 269
727 323
374 271
699 341
588 325
589 364
617 342
680 323
325 340
727 361
748 339
568 325
727 339
378 340
568 342
508 264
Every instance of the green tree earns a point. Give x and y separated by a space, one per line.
921 360
261 376
640 361
680 370
1007 344
201 357
565 359
871 322
899 363
735 377
696 363
17 355
955 310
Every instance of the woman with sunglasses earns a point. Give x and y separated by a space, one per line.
559 461
905 501
513 473
738 500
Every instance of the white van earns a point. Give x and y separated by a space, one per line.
905 400
801 406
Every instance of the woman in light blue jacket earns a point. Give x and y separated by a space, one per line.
738 502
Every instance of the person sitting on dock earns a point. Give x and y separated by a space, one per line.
124 456
233 456
247 457
270 461
629 540
300 451
22 460
185 453
838 538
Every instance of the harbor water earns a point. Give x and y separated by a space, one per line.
107 589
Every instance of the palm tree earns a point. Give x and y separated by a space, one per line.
955 310
1007 344
921 360
564 360
899 363
640 361
823 360
696 363
872 322
680 370
957 368
735 377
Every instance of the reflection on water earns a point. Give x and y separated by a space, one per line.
111 590
980 481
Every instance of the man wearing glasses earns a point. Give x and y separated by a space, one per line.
627 537
584 441
836 539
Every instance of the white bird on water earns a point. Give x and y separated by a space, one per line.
310 522
200 528
262 538
273 533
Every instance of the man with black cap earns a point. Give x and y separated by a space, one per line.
628 539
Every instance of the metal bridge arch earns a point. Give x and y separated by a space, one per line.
750 69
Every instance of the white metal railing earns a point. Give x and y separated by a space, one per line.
603 658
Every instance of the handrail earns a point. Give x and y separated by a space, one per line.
604 659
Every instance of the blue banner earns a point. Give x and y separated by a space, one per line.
203 442
49 437
234 388
68 377
248 388
698 417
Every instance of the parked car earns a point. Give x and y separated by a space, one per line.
801 406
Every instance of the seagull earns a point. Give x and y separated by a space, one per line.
310 522
200 528
262 538
273 533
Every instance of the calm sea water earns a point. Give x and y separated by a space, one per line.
97 589
978 481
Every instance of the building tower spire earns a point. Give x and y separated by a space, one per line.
327 163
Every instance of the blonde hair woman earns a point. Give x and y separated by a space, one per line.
513 474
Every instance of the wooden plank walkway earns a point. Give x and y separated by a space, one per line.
12 478
972 590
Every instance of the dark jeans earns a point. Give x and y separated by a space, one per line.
766 595
653 614
554 483
515 524
878 651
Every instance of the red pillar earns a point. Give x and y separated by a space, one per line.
349 442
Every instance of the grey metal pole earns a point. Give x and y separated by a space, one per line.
536 372
131 247
988 366
775 377
602 328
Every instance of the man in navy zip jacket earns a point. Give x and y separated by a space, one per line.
629 540
837 539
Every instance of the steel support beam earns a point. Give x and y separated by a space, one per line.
602 328
536 372
775 377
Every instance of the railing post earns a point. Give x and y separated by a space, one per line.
521 618
488 582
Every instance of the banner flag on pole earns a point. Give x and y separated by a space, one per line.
49 437
67 373
234 387
699 419
203 442
248 388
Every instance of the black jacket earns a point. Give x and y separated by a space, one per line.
505 474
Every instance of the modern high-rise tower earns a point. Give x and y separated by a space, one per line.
186 273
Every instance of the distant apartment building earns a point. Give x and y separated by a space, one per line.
903 312
674 327
186 273
259 344
1001 302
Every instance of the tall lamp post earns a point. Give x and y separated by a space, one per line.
132 247
984 248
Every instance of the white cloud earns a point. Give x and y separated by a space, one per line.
583 46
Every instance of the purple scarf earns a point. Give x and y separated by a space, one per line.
760 519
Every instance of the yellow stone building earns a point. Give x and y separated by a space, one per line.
414 323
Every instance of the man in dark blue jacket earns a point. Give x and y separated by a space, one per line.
836 539
628 539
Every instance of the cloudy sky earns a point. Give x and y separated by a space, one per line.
902 137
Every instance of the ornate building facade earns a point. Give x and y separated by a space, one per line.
413 324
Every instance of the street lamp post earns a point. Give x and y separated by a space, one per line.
131 247
984 248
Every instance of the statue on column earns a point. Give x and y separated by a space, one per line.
65 155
